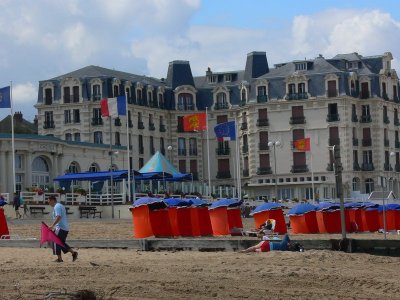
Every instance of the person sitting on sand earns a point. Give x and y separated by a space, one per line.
265 246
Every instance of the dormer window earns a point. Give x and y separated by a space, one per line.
213 79
301 66
221 103
48 96
96 92
228 77
185 101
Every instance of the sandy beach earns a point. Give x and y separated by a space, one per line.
131 274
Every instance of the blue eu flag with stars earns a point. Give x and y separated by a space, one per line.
5 99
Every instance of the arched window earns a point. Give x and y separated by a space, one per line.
73 167
94 168
221 101
369 185
40 172
356 184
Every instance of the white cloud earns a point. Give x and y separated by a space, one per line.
345 31
25 92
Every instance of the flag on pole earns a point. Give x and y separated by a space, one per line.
225 131
5 98
46 235
113 107
195 122
302 144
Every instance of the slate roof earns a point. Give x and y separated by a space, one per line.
20 126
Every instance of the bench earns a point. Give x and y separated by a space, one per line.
38 210
68 212
89 210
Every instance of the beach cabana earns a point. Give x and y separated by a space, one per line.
370 217
3 223
392 216
303 218
180 216
223 216
270 210
200 216
328 218
353 214
150 218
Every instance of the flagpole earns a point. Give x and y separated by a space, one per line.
208 156
237 159
12 140
111 170
127 147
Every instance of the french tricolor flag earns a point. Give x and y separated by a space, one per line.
113 107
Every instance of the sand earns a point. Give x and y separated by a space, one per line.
131 274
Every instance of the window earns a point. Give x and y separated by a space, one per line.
223 168
301 66
75 94
193 168
221 101
395 92
67 95
261 90
264 161
228 77
140 142
332 89
77 137
192 146
40 172
139 95
94 168
365 110
96 92
292 88
301 88
222 119
48 96
73 167
244 95
77 118
48 119
117 139
364 90
68 137
96 113
369 185
334 136
18 161
182 166
152 149
115 90
67 116
181 146
161 100
185 101
298 134
98 137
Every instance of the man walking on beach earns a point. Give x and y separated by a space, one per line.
61 228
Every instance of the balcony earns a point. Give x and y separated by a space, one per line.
354 93
366 119
223 151
335 141
387 167
264 171
262 98
354 118
97 121
385 97
386 142
182 152
193 152
332 118
48 100
396 122
162 128
396 99
223 175
356 166
152 127
364 95
367 142
386 120
245 173
329 167
221 106
296 96
263 122
263 146
96 97
153 104
355 142
297 120
48 125
243 126
299 169
117 122
179 128
161 105
367 167
140 125
243 102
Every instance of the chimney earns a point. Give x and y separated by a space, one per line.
256 65
18 116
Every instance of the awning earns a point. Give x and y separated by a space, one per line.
94 176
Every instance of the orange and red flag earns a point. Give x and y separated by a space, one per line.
302 144
195 122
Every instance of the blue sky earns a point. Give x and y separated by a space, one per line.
45 38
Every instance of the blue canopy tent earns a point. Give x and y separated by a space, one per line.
92 176
159 168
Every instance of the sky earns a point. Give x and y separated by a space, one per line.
43 39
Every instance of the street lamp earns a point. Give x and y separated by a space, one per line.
275 144
112 153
